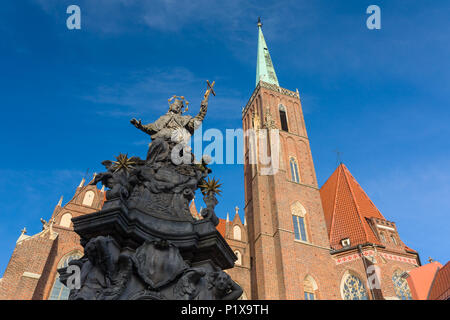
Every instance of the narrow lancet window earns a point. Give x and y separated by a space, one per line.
294 170
283 118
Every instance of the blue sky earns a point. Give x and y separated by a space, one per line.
379 96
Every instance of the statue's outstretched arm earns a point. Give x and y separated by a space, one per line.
196 121
147 128
203 109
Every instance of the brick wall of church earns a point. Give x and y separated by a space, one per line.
241 271
25 268
68 242
31 271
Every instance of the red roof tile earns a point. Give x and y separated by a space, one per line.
221 227
346 207
421 278
440 289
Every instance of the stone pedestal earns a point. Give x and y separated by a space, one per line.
198 241
131 254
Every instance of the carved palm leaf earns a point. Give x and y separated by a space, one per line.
211 186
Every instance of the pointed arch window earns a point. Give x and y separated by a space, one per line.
283 118
239 257
309 288
294 170
309 296
237 233
60 291
66 220
394 241
88 198
352 288
298 220
401 286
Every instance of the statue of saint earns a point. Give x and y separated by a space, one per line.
173 122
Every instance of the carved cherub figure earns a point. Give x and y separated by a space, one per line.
222 287
197 284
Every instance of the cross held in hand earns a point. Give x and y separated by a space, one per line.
210 88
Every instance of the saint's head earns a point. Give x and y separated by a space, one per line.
177 105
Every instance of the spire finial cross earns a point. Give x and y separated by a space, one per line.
338 156
259 22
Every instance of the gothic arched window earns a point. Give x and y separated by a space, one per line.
401 286
239 258
309 288
60 291
66 220
294 170
393 239
283 118
353 288
298 219
88 198
237 234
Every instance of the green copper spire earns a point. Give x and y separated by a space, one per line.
264 67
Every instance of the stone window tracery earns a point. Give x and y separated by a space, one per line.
60 291
353 288
401 287
294 170
298 220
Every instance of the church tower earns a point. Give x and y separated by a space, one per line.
289 245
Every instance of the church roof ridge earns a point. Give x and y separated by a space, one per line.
346 208
358 209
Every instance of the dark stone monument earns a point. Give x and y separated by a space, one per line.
144 244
